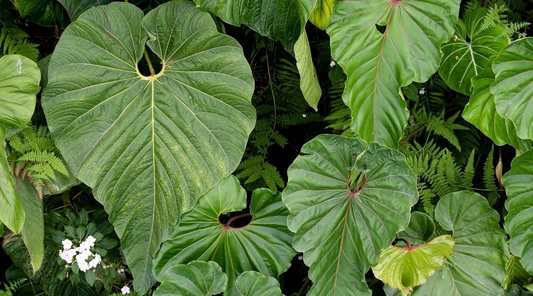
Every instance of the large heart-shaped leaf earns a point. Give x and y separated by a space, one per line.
513 90
519 204
420 230
263 245
195 278
404 268
347 201
383 45
75 8
481 112
19 85
477 265
148 145
469 50
253 283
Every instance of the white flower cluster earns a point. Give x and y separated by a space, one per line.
81 253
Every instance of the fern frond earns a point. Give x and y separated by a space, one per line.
468 175
12 286
489 179
13 40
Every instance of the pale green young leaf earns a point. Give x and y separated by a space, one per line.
321 14
308 79
195 278
253 283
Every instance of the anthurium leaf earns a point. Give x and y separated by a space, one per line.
19 85
262 245
195 278
512 88
404 268
477 264
280 20
308 79
75 8
33 229
253 283
379 44
149 146
481 112
516 274
420 230
519 205
469 50
46 13
321 14
347 200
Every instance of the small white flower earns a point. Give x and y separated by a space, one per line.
332 64
88 243
304 115
300 257
121 271
67 244
82 264
422 91
455 38
96 260
125 290
67 255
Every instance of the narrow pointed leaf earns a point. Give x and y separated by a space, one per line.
253 283
477 264
33 229
481 112
347 201
196 278
420 230
469 50
512 89
519 205
149 146
11 210
516 274
321 14
404 268
308 79
263 245
379 44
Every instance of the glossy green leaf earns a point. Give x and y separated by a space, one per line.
195 278
149 146
308 79
380 45
477 264
19 85
253 283
262 245
280 20
46 13
512 89
33 229
469 50
321 14
516 290
519 205
516 274
347 201
75 8
481 112
420 230
404 268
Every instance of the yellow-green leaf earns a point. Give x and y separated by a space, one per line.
321 14
308 78
403 268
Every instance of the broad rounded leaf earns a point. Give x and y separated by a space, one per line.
75 8
519 205
380 45
46 13
469 50
321 14
19 85
420 230
513 90
404 268
196 278
347 201
263 245
149 146
477 265
253 283
481 112
308 79
280 20
33 229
